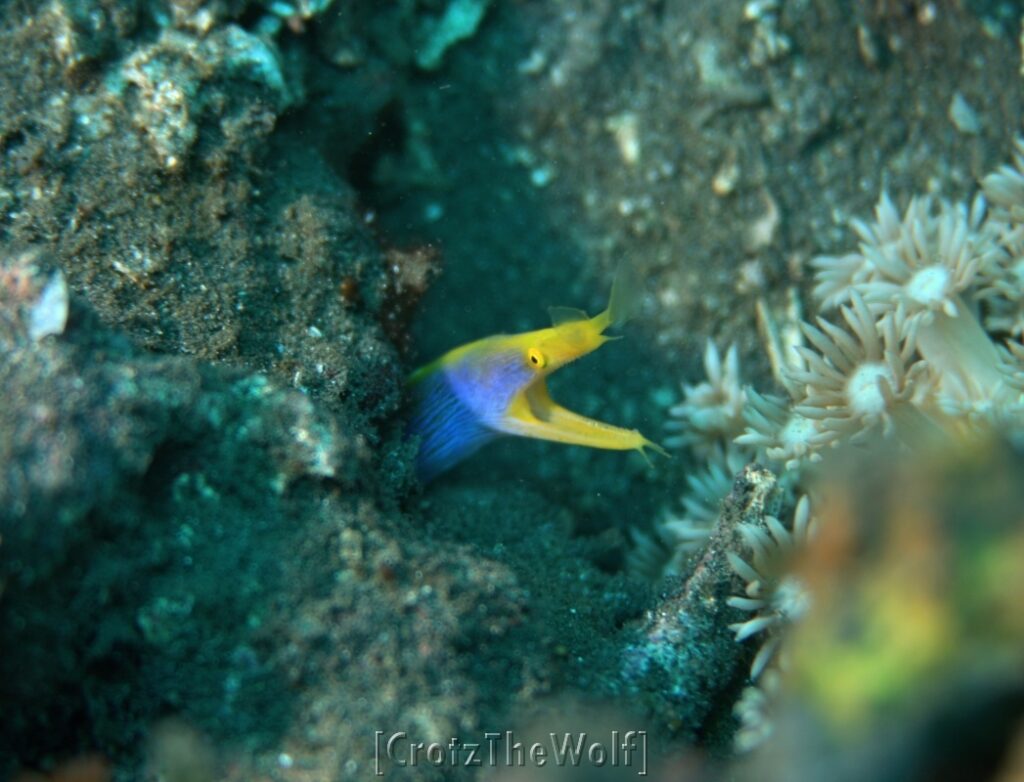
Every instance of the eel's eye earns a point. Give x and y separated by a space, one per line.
536 358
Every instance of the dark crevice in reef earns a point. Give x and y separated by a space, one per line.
388 137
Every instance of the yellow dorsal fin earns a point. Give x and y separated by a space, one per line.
560 315
626 299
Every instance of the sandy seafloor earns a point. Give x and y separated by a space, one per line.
215 559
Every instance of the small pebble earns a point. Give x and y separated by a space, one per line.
964 118
541 176
625 128
724 182
50 313
433 212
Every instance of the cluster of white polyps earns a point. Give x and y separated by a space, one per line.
1002 281
927 348
775 598
666 550
941 269
707 420
911 358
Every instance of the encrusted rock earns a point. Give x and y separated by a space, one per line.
176 82
686 663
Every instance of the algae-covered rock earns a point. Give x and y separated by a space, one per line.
418 33
455 23
145 502
168 86
86 31
163 192
72 428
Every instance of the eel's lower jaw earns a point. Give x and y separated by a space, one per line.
531 406
532 413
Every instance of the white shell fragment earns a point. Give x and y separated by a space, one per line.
49 314
963 116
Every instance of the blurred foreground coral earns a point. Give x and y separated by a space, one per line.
909 664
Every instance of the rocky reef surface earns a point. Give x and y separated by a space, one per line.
230 228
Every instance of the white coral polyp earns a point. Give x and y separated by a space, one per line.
712 411
707 488
932 288
836 275
791 600
780 433
797 439
858 376
937 257
922 260
864 390
773 596
1002 286
1005 186
752 710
